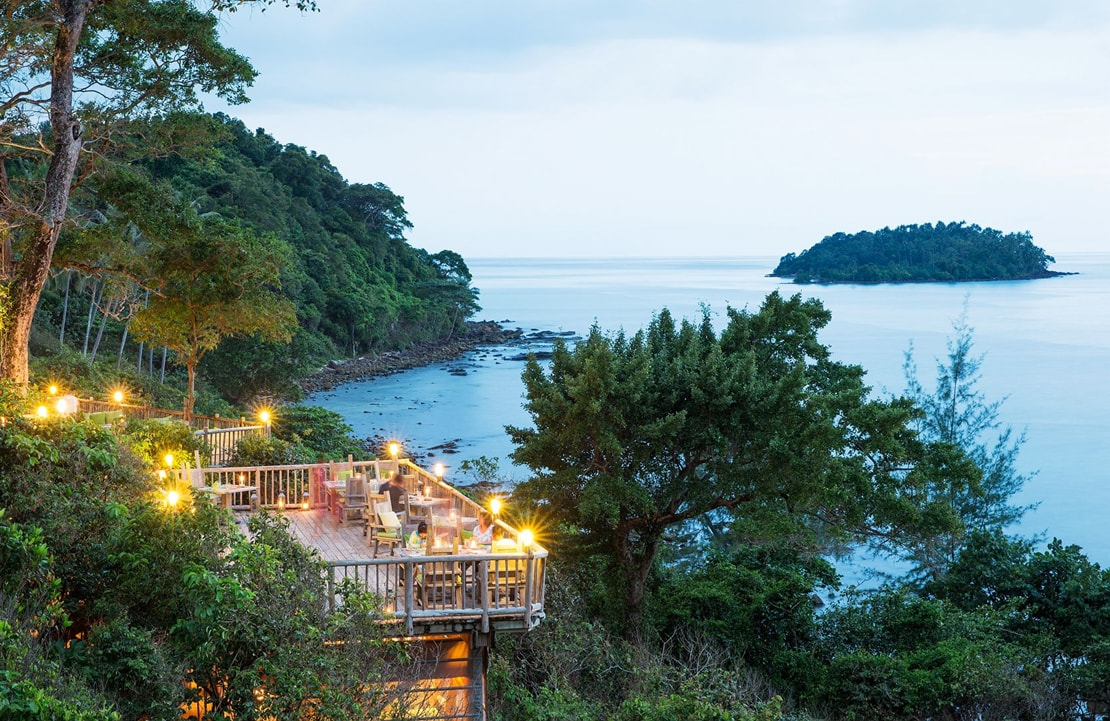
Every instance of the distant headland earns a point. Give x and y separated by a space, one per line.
951 252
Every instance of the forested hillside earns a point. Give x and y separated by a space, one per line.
355 283
916 253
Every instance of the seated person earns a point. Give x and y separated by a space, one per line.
395 489
483 532
419 537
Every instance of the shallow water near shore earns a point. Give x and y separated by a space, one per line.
1046 342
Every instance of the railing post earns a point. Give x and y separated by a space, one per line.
409 578
330 601
483 585
528 590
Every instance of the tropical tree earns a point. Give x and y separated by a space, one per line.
73 71
759 427
216 279
958 414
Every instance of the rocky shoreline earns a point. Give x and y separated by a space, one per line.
477 333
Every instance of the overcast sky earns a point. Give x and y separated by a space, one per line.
727 127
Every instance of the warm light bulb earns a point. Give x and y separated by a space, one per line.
42 411
53 390
439 470
526 538
118 396
495 505
172 498
169 460
304 501
394 449
264 416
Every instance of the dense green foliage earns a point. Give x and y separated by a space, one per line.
74 74
758 430
355 280
115 605
914 253
988 627
334 252
111 604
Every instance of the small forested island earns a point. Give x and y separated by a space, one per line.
919 253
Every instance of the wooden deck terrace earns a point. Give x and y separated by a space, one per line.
447 591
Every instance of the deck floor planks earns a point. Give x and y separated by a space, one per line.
335 541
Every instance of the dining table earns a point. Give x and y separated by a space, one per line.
423 506
226 491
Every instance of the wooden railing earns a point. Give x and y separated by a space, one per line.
196 422
437 593
291 482
441 593
221 434
222 441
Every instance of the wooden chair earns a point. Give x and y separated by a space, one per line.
352 499
506 581
381 524
439 585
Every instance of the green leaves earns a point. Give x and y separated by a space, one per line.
635 436
914 253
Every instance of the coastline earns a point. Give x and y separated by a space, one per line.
477 333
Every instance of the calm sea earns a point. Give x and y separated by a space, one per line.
1046 345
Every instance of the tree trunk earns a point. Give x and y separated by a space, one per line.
88 321
65 310
191 370
122 345
146 302
100 330
163 379
636 559
34 265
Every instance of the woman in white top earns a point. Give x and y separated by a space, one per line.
483 532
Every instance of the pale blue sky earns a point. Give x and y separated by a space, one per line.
594 128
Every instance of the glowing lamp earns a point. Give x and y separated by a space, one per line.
264 416
169 460
67 405
304 501
117 396
394 449
172 498
281 501
52 390
495 506
439 470
42 411
526 539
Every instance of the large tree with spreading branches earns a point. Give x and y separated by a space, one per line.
71 73
757 429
